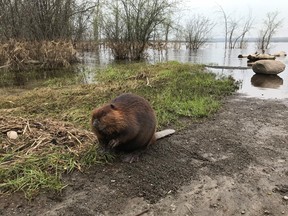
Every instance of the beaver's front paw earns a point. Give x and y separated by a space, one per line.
113 143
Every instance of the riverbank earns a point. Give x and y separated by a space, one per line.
232 163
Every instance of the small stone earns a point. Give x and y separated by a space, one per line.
113 180
12 134
243 212
173 207
285 197
266 212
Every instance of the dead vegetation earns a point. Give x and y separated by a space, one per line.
38 135
41 151
25 55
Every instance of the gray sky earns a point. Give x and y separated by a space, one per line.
237 9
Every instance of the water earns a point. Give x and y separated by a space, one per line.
252 85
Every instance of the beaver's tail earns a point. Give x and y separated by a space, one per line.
164 133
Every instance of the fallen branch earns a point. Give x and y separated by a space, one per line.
228 67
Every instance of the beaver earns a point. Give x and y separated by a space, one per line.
127 124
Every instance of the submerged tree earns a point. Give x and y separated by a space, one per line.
232 27
240 30
270 26
128 25
226 18
235 29
245 29
197 31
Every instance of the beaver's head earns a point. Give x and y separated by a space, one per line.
107 119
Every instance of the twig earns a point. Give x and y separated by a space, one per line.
143 212
20 148
39 142
5 66
189 210
74 137
90 138
27 126
74 152
148 83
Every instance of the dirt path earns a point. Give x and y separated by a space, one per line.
234 163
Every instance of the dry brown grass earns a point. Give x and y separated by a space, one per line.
42 152
38 136
24 55
89 46
125 50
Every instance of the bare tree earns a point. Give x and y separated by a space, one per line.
98 21
246 28
44 19
232 27
226 18
128 25
233 30
270 26
197 31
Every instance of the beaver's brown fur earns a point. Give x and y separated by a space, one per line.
127 123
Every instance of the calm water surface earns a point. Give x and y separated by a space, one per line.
252 85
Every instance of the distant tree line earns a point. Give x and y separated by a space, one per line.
126 26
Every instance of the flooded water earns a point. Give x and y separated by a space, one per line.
252 85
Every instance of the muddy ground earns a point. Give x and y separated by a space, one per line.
234 163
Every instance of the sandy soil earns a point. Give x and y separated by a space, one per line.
234 163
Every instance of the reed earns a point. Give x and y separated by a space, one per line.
26 55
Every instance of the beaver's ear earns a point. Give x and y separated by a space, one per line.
112 106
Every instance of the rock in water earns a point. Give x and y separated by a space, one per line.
280 54
268 67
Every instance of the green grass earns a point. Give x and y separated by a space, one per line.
174 90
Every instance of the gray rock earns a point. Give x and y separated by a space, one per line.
268 67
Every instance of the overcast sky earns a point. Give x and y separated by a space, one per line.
237 9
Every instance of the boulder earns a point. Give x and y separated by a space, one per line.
268 67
